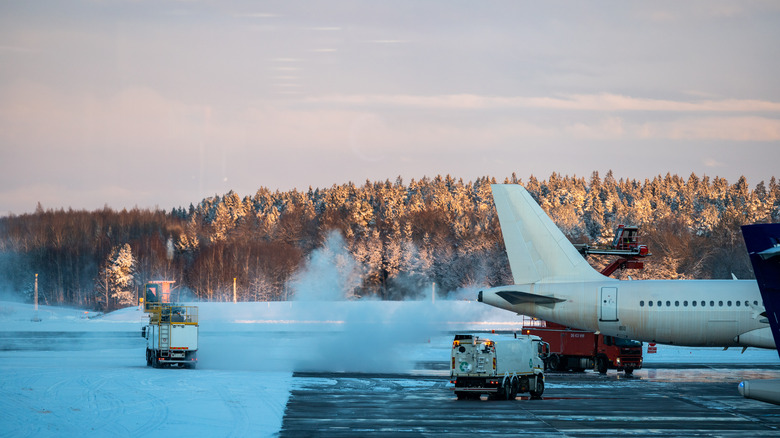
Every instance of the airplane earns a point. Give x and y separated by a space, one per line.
763 245
555 283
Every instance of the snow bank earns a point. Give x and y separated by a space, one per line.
23 317
670 354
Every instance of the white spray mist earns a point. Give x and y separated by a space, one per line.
325 329
330 274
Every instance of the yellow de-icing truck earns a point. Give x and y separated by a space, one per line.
172 333
501 366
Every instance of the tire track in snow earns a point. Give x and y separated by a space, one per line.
238 412
21 389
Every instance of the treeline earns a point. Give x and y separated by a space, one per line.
392 240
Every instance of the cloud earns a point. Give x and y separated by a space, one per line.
605 129
574 102
713 163
17 50
262 15
676 12
742 129
389 41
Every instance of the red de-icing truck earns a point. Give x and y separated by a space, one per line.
577 350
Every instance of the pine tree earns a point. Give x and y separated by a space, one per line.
116 282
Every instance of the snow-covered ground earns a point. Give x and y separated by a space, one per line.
82 373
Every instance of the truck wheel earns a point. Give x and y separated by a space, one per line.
601 365
148 357
537 393
514 388
554 362
155 362
507 389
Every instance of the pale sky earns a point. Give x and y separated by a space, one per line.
163 103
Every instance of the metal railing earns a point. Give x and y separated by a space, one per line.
173 313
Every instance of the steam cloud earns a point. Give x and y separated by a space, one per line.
330 274
370 337
326 331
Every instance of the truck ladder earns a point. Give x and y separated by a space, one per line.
165 337
481 364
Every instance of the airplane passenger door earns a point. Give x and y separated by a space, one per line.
608 304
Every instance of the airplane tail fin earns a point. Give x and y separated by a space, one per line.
763 245
537 249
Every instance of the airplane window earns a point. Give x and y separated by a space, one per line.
755 303
693 303
739 303
728 303
747 303
720 303
712 303
650 303
685 304
668 304
676 304
659 304
642 303
703 303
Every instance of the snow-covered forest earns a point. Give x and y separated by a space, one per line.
388 240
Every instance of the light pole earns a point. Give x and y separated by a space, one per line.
35 299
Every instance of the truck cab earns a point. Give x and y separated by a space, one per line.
617 353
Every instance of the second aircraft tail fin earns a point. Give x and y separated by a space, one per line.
763 245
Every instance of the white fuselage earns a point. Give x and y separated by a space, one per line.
719 313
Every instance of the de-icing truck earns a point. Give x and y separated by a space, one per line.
501 366
172 333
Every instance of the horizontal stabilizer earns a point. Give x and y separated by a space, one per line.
499 296
769 253
517 297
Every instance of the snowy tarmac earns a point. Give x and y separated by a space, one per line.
342 369
654 402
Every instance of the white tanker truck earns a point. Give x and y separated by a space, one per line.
501 366
172 333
